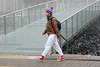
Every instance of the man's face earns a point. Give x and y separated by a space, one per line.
47 14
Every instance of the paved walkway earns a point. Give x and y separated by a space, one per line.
50 61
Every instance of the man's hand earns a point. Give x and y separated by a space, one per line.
43 33
58 37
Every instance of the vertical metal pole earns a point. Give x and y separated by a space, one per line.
66 36
72 25
11 5
63 4
59 5
27 3
40 12
81 18
85 15
5 25
89 12
14 21
92 11
2 7
72 33
46 5
95 10
60 41
15 5
77 22
35 12
29 16
66 29
87 2
55 6
98 7
22 18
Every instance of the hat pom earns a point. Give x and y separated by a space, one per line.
51 7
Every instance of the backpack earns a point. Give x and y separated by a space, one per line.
58 23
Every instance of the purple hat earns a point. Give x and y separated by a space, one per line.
50 10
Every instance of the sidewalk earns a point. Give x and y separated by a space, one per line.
50 61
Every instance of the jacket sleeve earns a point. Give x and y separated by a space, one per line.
45 31
54 23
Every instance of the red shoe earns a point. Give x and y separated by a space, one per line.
62 58
41 58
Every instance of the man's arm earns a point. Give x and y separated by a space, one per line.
54 23
45 31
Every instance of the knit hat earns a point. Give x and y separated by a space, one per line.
50 10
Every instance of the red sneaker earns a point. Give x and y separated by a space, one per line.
41 58
62 58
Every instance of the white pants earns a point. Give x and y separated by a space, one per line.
52 41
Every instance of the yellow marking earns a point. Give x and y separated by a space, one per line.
6 66
13 57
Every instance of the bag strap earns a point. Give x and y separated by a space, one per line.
51 22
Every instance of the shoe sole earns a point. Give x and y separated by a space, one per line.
39 59
60 60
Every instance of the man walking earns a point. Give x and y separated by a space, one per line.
53 33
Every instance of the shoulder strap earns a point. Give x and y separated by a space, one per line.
51 19
51 22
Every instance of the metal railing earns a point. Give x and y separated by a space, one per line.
17 19
7 6
75 23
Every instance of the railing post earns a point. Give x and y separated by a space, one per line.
98 7
72 25
63 4
46 5
77 22
89 12
5 32
14 21
40 13
87 2
15 5
35 12
29 16
92 10
2 7
60 43
81 18
66 29
59 6
22 18
72 33
66 36
85 15
95 10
